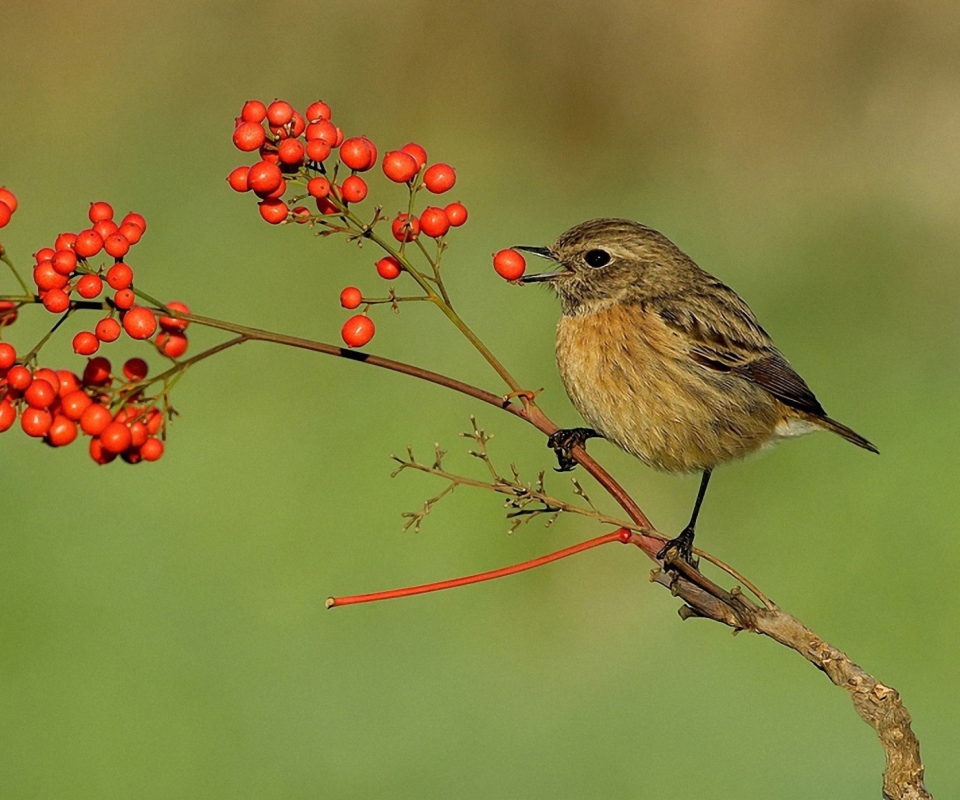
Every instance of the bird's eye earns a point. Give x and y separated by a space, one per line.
597 258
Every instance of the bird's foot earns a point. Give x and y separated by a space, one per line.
563 441
683 545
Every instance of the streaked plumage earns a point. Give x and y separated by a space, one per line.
665 360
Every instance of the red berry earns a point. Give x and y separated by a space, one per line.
8 415
434 222
279 112
116 245
8 356
97 372
8 198
107 330
439 178
36 422
105 227
64 261
238 179
317 150
358 153
44 254
88 243
98 454
456 213
415 150
85 343
253 111
370 146
40 394
100 211
136 219
326 206
273 211
317 111
65 241
48 375
388 267
300 214
135 369
56 301
298 125
291 152
95 418
351 297
405 228
172 345
399 166
47 278
8 312
62 431
358 330
354 189
318 187
264 177
138 433
509 264
131 232
154 420
119 276
19 378
151 450
124 299
269 154
249 136
115 438
277 193
172 324
69 381
73 404
5 214
322 131
139 323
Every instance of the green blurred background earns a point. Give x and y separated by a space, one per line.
162 629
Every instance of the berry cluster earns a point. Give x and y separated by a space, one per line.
56 406
299 150
67 268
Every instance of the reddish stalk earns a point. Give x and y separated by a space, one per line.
622 535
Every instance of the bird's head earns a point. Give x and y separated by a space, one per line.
605 261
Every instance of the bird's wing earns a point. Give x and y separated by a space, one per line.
717 330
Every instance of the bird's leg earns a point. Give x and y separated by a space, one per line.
563 441
684 542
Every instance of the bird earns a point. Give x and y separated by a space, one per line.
666 361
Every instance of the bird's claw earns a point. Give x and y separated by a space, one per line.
563 441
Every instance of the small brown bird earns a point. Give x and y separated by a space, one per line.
666 361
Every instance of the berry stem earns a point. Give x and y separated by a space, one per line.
622 535
448 311
16 273
36 348
172 375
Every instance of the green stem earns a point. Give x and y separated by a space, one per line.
33 353
16 274
441 303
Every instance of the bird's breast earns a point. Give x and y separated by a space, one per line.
629 376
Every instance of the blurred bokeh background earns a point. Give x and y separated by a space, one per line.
162 629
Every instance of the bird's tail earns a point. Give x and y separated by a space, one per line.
847 433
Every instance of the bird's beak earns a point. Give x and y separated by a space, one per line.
543 252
